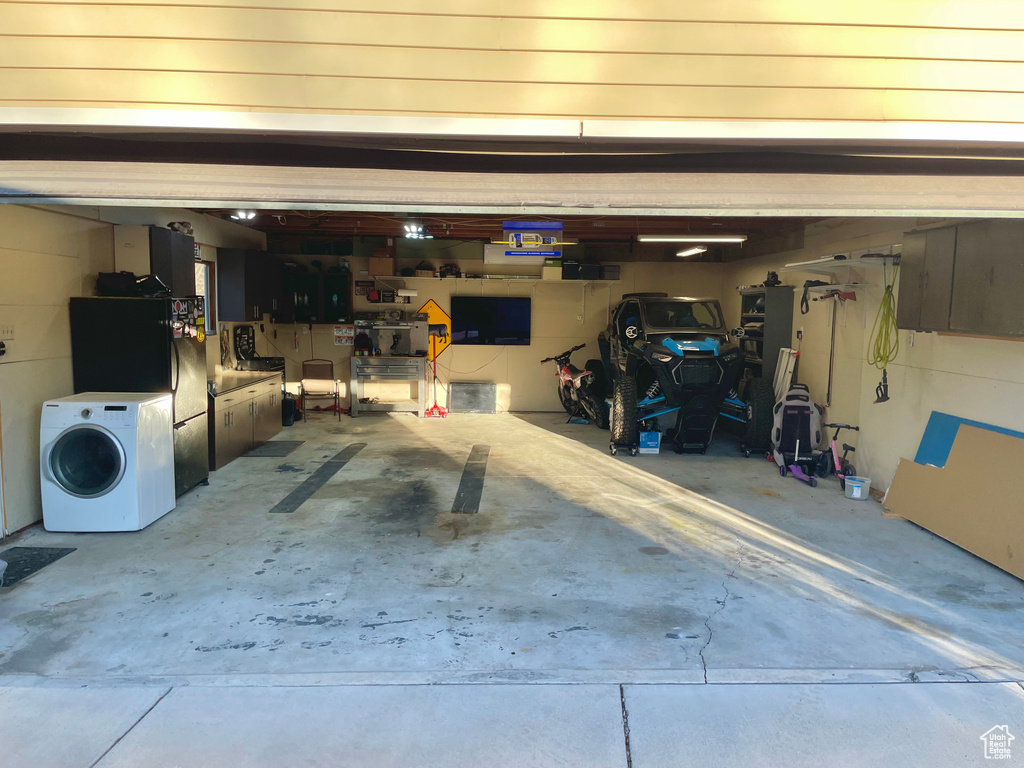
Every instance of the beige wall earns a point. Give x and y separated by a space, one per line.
47 255
45 258
981 379
916 60
565 313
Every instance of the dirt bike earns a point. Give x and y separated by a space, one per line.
581 392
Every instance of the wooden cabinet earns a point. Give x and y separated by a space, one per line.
337 297
302 297
926 279
157 251
966 279
243 418
989 281
249 285
266 412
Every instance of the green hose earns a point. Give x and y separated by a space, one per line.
884 343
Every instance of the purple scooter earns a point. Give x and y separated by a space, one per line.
798 470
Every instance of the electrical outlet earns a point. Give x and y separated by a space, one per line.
6 333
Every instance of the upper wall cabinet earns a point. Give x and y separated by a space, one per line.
926 279
966 279
249 285
988 288
157 251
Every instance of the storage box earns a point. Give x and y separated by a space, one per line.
590 271
650 442
424 273
551 273
570 270
382 266
609 271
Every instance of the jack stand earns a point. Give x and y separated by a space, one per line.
435 411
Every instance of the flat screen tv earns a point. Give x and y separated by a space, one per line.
490 320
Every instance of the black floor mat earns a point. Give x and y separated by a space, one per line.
22 562
275 449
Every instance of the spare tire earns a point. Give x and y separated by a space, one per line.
624 427
759 396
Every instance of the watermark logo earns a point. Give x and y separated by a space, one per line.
997 742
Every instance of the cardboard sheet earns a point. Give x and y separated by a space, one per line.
976 501
941 432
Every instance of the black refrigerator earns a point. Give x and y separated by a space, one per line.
149 345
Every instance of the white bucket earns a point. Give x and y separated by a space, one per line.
858 487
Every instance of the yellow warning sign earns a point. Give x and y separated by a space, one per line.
440 328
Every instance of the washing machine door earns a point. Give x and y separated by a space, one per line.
86 461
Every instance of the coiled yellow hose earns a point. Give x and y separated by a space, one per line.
884 343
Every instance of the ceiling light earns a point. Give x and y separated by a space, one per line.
243 215
693 251
691 238
416 232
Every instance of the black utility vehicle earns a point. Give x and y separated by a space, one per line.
673 355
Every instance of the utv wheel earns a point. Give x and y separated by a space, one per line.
567 403
624 425
760 399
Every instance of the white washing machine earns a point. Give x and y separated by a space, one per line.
106 461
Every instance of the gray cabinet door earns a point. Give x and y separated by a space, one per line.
267 419
937 284
926 279
989 279
908 308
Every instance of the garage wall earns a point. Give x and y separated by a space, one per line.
45 258
979 379
917 60
558 306
47 255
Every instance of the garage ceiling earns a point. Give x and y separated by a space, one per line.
283 226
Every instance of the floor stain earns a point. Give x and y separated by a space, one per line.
767 492
654 550
228 646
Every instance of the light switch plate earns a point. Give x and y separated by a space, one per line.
6 332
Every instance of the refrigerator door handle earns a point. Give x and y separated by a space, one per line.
177 367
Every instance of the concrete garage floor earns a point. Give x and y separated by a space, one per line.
613 581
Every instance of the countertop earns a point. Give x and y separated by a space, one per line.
232 380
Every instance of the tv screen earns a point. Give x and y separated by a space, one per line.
490 320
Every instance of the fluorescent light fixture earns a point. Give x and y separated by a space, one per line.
691 238
692 251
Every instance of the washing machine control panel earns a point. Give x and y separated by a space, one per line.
109 416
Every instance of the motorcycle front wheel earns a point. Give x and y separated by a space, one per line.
566 398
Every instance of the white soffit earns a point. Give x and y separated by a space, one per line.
774 131
63 118
647 194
